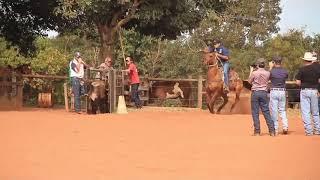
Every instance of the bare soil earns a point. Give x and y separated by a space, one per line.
151 144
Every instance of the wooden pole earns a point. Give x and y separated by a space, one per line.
66 100
19 97
200 92
121 44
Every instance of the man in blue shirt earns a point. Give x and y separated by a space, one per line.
278 76
223 55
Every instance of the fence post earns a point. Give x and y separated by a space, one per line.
66 100
200 92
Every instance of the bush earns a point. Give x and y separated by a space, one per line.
172 103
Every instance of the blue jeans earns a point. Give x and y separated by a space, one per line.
76 89
309 105
226 67
135 94
278 105
259 99
319 104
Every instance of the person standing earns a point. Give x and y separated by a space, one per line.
259 97
278 76
308 78
106 65
134 81
318 64
76 68
223 56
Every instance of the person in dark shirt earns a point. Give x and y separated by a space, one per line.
318 64
308 79
278 76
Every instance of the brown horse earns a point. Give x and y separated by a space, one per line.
214 85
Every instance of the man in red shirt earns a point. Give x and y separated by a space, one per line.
134 81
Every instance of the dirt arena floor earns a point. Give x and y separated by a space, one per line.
151 144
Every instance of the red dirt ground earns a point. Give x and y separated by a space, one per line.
42 144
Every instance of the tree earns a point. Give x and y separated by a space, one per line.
9 55
21 21
291 47
167 18
243 23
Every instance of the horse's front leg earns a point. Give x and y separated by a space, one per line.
209 96
225 101
213 100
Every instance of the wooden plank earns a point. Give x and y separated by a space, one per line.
44 76
168 79
200 85
66 99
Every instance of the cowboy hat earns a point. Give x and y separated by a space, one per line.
308 56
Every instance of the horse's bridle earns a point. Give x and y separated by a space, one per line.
215 64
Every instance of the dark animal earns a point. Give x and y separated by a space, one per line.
214 85
98 97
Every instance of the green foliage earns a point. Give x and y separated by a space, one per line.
21 21
241 59
244 22
179 60
10 55
172 103
49 60
291 47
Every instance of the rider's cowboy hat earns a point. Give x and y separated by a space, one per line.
308 56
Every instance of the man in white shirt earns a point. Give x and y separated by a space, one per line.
76 68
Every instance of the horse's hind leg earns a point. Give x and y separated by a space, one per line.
225 101
238 92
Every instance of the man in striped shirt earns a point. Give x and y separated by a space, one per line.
259 99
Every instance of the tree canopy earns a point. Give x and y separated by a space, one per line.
21 21
166 18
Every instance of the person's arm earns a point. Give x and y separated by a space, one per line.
102 66
129 69
224 55
298 78
251 76
298 82
271 65
75 67
82 62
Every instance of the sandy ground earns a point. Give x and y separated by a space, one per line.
44 144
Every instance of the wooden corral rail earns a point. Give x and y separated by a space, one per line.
199 85
200 80
44 76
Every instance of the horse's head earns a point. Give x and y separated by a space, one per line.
209 58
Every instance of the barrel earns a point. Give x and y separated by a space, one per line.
45 100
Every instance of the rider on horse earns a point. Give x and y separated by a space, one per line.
223 56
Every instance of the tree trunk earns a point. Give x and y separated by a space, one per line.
107 40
